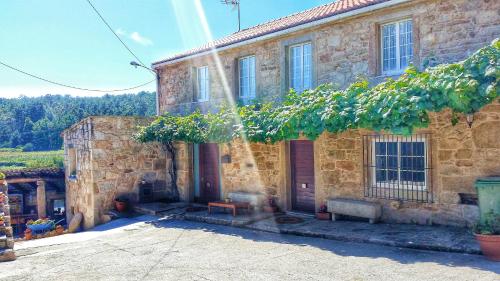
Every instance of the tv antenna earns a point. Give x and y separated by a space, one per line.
236 5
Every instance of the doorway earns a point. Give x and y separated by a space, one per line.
302 175
208 177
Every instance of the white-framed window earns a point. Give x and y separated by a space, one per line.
396 46
203 81
300 72
246 69
399 162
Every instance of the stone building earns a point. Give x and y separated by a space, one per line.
103 163
425 178
34 194
336 43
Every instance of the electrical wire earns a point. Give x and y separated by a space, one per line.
116 35
70 86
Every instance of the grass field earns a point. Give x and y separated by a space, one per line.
16 159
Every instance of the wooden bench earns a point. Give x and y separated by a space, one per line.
229 205
356 208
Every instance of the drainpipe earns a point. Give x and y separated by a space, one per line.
158 88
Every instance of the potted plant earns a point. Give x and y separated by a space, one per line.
2 220
2 178
59 229
121 204
488 235
28 234
323 214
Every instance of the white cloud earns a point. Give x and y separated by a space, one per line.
139 39
120 32
134 36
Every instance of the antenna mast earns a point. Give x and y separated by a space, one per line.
236 5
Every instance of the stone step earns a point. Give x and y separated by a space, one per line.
155 208
7 255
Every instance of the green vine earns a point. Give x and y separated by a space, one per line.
399 106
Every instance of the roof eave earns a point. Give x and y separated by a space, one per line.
337 17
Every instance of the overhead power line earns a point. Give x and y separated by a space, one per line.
70 86
116 35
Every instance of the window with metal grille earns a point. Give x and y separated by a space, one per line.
397 167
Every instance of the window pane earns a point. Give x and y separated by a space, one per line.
400 163
392 148
247 77
381 162
381 175
405 43
251 83
389 47
203 83
296 68
307 67
380 148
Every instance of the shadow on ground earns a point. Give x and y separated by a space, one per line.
401 255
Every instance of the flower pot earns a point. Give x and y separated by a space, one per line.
121 205
324 216
28 235
59 230
490 246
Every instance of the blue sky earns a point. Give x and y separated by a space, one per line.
65 41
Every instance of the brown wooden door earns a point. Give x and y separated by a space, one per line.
302 175
209 172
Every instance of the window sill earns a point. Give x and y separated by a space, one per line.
389 75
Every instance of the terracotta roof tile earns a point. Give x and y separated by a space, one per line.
307 16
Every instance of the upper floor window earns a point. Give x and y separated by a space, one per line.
397 46
203 83
247 77
300 67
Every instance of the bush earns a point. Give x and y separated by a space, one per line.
28 147
490 226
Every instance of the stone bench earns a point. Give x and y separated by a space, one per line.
256 200
354 208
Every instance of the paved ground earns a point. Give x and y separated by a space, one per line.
423 237
183 250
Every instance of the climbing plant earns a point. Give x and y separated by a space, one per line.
399 106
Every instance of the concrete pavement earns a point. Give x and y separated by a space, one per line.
151 249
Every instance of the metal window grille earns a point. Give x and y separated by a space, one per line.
398 167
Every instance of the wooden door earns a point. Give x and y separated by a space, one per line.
209 172
302 175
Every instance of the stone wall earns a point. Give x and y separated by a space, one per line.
253 167
6 234
444 31
107 164
459 156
